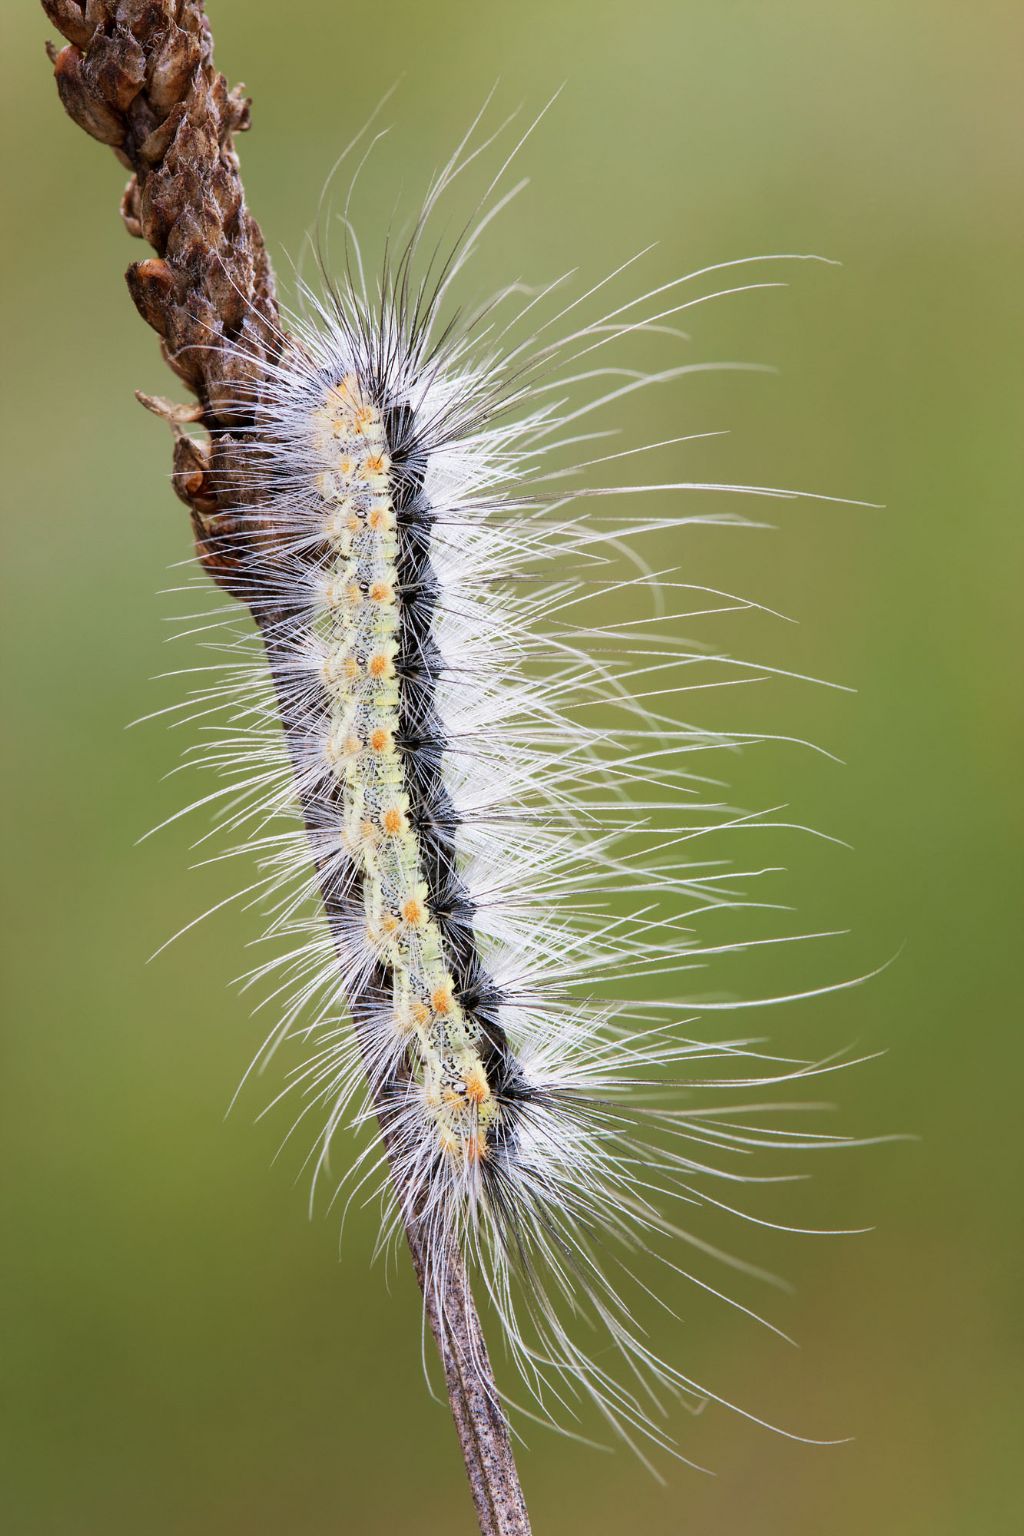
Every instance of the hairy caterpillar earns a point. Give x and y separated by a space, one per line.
493 864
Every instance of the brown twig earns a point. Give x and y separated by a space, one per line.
139 75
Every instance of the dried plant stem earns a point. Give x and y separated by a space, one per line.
139 75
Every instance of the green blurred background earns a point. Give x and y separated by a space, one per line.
184 1354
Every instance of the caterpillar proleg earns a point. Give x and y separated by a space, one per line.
505 812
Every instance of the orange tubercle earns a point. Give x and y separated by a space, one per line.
478 1089
472 1148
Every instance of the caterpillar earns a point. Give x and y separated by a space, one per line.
498 797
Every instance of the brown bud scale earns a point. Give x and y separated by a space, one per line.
139 76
